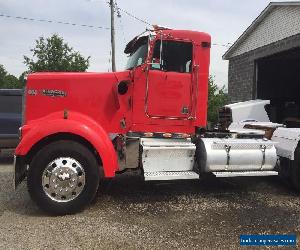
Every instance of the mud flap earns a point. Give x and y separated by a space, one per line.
19 170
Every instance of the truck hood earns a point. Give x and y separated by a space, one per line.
92 94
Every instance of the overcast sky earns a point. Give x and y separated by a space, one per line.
224 20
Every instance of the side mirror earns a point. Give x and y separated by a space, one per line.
122 87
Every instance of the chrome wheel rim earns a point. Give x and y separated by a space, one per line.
63 179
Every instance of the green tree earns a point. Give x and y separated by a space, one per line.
53 54
8 81
3 74
11 82
22 78
217 97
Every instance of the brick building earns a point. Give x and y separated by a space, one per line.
264 62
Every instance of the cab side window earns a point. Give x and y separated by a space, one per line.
175 56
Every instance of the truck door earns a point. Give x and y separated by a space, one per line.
168 93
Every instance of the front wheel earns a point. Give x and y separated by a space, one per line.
63 177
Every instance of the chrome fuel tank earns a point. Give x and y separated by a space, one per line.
217 154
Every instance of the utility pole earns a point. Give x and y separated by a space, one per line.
112 34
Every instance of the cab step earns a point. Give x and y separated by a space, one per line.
245 173
167 175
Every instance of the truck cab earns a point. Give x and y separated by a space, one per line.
80 128
170 87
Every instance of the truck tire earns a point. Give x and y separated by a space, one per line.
63 177
295 170
284 171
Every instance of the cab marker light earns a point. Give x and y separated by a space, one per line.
148 134
167 135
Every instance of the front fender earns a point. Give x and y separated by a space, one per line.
73 123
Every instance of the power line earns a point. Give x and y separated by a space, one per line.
118 9
133 16
53 21
91 26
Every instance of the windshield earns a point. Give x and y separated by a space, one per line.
138 56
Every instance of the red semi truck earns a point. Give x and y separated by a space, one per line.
79 128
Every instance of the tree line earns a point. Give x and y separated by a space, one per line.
9 81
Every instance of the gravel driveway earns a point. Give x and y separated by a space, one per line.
131 214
